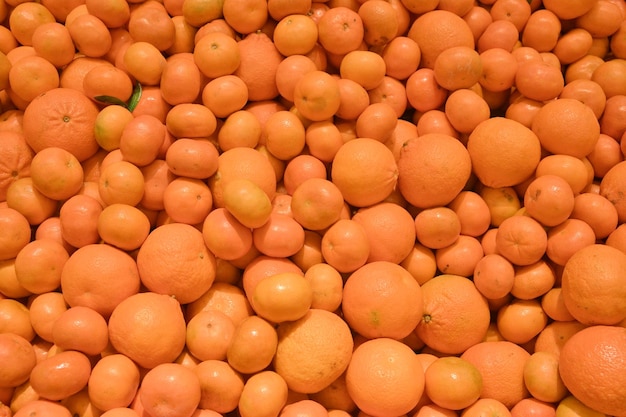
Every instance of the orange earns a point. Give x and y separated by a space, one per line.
345 245
79 220
264 395
121 182
380 22
99 276
452 383
372 312
460 257
225 236
58 376
170 389
364 183
570 168
157 340
384 377
340 30
587 205
245 16
437 227
456 110
16 159
610 187
187 200
353 99
317 96
521 320
573 45
301 168
252 346
170 248
123 226
423 92
284 135
280 236
605 155
571 406
209 334
521 239
82 329
472 211
105 80
486 406
220 385
549 199
113 382
538 80
367 68
295 34
534 280
90 35
593 302
242 163
114 14
43 311
109 125
304 407
68 122
42 406
306 357
447 300
541 376
18 359
259 60
25 18
542 30
567 238
519 152
494 276
39 264
56 173
282 297
216 54
437 30
391 92
25 198
150 23
501 365
144 62
327 284
377 121
434 121
433 169
317 203
457 67
501 33
582 128
181 79
31 76
225 95
498 69
554 306
601 346
183 155
15 319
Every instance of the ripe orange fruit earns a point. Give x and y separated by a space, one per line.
447 300
601 347
113 382
452 383
519 152
385 377
170 389
501 365
594 302
256 48
438 30
306 356
149 328
61 375
365 171
432 170
15 161
340 30
373 312
264 395
316 96
282 297
252 346
68 124
171 248
390 231
99 276
81 328
566 118
18 359
611 187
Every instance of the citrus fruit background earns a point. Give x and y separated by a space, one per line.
313 208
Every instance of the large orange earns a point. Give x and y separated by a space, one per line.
591 366
149 328
365 171
258 64
448 301
313 351
382 299
503 151
433 169
385 377
62 117
598 300
170 249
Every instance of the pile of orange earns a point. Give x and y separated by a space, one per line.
313 208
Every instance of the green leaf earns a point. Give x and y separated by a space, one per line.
132 101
